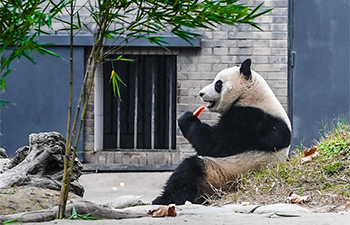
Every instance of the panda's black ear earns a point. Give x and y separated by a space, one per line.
245 69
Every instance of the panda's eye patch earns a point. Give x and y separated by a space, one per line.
218 86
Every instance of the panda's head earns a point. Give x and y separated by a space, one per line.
227 87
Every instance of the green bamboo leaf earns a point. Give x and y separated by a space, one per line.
29 58
114 82
3 63
2 84
120 80
44 50
74 211
120 58
10 221
6 73
79 21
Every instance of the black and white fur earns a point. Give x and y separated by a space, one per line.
253 130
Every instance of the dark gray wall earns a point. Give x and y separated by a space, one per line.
40 93
319 78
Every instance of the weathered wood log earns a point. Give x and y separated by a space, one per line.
40 164
81 206
3 154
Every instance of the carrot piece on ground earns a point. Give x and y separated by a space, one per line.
199 110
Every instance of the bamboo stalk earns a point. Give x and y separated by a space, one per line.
63 201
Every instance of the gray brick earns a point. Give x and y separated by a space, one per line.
211 43
279 35
201 75
244 28
175 157
194 91
245 43
279 51
150 158
182 91
182 75
280 19
118 158
220 51
206 51
102 157
275 4
142 158
262 51
278 83
262 35
264 19
229 43
280 91
278 59
270 67
276 75
225 27
209 59
184 59
244 51
220 35
278 43
219 67
204 67
208 34
188 67
240 35
280 11
229 59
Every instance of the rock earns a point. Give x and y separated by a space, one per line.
125 201
292 209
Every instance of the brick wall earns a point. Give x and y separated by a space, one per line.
221 48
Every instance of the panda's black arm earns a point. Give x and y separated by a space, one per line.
199 134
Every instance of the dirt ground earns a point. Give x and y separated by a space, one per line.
19 199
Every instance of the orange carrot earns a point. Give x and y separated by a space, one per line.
199 111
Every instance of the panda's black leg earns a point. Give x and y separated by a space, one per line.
185 184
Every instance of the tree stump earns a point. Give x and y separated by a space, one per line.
40 165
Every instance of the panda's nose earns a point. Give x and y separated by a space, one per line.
201 94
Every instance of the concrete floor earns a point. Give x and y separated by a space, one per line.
102 188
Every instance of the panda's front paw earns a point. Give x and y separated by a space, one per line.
186 119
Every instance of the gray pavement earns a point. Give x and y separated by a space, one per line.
103 188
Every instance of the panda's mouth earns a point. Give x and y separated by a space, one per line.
210 104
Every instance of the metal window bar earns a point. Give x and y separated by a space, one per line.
135 109
170 75
153 107
118 124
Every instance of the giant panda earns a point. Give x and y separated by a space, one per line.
253 130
